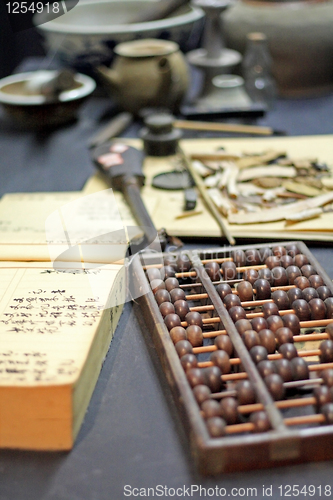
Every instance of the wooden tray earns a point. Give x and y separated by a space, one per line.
297 433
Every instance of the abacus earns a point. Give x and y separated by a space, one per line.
245 338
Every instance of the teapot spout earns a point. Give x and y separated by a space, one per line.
109 77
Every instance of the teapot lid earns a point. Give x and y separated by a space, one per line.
148 47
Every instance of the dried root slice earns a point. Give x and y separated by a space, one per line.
221 201
311 213
297 187
253 161
266 171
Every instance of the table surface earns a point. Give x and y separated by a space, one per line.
132 434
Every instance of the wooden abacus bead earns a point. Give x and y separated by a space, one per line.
274 323
224 343
318 309
300 260
259 323
216 427
253 257
326 351
279 276
166 308
323 395
222 360
250 338
229 270
300 369
308 270
194 335
301 282
172 320
292 273
223 289
213 271
183 347
286 261
329 330
310 293
229 410
245 392
236 313
288 351
231 300
181 308
267 339
263 289
264 252
302 309
250 275
269 309
279 250
170 260
153 274
266 367
327 376
171 283
324 292
266 274
327 411
273 261
260 421
157 284
245 291
162 295
201 393
183 263
284 369
189 361
281 299
177 294
239 258
316 281
294 294
168 272
242 325
177 333
292 249
210 408
329 307
195 376
284 335
212 376
258 353
292 321
193 318
274 384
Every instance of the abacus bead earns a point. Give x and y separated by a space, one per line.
274 323
236 313
181 308
283 368
292 273
301 282
213 378
250 338
288 351
258 353
250 275
308 270
201 393
183 263
286 261
193 318
279 250
195 377
260 421
239 258
210 408
300 369
292 249
284 335
183 347
229 270
216 427
274 384
269 309
157 284
168 272
229 410
231 300
194 335
263 289
279 276
171 283
161 296
222 360
153 274
310 293
245 291
259 323
189 361
170 260
326 351
242 325
329 330
281 299
316 281
266 367
322 395
172 320
223 289
300 260
177 294
166 308
245 393
224 343
292 321
213 270
273 261
177 333
323 292
253 257
267 339
302 309
327 376
327 411
318 309
294 294
264 252
266 274
329 307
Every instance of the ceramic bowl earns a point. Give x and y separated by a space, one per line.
35 110
87 34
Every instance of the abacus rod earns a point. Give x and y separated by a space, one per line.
302 420
243 375
237 361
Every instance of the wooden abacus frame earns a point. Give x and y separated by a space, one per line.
280 446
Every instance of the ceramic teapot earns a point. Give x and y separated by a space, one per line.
147 73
